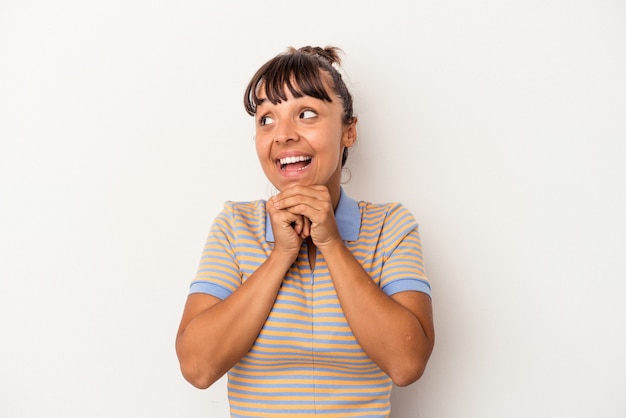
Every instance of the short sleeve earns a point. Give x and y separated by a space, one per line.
403 267
218 272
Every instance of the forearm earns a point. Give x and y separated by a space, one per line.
391 334
215 338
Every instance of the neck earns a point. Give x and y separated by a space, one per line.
335 193
334 188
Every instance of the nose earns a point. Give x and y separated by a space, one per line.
285 131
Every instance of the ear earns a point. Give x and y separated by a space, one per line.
349 134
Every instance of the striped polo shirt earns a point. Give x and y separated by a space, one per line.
306 362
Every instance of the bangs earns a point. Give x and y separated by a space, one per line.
299 73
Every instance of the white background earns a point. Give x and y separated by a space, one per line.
500 125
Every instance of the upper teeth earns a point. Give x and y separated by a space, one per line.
291 160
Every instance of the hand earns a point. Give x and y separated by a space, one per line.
289 229
313 204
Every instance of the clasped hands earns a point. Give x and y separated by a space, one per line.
301 212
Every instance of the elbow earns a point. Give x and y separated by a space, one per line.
199 373
198 381
405 376
196 376
409 370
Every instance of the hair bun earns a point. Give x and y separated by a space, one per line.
329 53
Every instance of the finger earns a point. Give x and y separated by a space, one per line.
298 224
320 213
284 218
303 190
306 229
309 195
302 205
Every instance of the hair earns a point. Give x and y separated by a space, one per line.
301 71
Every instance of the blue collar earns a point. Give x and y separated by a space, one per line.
347 214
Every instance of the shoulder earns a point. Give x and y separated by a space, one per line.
243 210
390 222
250 208
246 214
385 213
393 225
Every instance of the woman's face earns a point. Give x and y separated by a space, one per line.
300 141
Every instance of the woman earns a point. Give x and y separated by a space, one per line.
313 303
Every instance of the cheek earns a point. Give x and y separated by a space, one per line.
261 148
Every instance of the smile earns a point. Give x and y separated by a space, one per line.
294 163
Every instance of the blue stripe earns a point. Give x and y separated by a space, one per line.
338 394
360 409
318 368
323 382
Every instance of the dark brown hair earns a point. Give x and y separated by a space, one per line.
301 71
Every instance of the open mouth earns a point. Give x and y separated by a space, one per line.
294 163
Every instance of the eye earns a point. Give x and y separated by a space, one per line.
265 120
308 114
